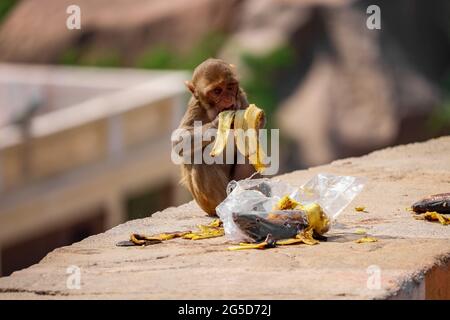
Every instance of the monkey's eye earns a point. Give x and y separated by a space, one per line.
217 91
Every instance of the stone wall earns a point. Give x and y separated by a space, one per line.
410 259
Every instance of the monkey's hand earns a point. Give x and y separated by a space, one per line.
188 132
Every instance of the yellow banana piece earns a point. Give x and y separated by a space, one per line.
307 237
286 203
225 122
434 216
245 246
240 127
247 142
366 240
212 230
317 219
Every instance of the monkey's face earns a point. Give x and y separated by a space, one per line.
222 96
215 86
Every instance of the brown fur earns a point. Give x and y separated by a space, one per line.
207 182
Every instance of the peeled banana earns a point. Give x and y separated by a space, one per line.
246 123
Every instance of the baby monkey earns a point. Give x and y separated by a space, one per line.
214 88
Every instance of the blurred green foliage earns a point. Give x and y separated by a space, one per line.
73 56
5 7
70 57
439 120
158 58
109 59
261 81
161 57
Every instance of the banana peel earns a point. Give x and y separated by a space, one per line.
246 125
305 237
245 246
317 219
269 242
143 240
212 233
250 125
211 230
225 121
140 240
434 216
366 240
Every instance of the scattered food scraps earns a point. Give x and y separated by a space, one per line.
435 203
280 224
360 231
317 219
286 203
434 216
305 237
142 240
360 209
366 240
252 208
288 241
268 243
205 234
283 223
212 230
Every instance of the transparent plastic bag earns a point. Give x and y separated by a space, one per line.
253 200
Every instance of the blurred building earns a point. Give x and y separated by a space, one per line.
82 150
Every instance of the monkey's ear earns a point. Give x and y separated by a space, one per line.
190 86
232 66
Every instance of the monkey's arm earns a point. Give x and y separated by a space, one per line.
187 129
193 134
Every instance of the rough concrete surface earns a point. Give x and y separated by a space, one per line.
337 269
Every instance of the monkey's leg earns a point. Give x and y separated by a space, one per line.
208 185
